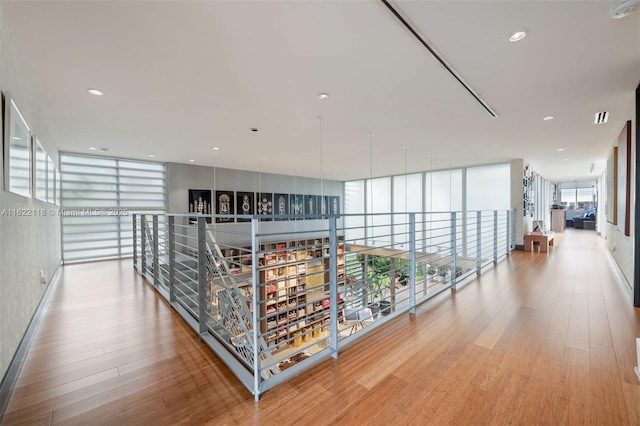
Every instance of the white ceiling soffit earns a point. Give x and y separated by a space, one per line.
182 77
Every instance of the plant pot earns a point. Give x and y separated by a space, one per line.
375 308
385 307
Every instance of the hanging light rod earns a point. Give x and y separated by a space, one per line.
414 31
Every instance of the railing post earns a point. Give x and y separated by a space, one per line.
412 263
255 247
479 242
513 230
507 243
156 253
143 244
333 286
202 274
453 250
172 259
495 236
135 240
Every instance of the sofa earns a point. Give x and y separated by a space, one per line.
578 222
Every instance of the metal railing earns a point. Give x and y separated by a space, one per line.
272 296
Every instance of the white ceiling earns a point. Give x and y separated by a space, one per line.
182 77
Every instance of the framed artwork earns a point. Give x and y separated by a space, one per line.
264 205
296 205
40 171
310 202
225 206
322 204
281 205
624 180
245 203
200 203
18 166
611 199
334 205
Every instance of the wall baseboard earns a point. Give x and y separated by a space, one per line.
11 376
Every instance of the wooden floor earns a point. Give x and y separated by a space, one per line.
540 339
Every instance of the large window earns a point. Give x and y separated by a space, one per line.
98 196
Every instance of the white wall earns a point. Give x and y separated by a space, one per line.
621 246
27 244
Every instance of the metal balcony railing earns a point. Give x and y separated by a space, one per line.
273 296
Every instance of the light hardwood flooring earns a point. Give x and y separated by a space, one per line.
539 339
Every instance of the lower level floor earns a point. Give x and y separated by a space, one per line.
545 338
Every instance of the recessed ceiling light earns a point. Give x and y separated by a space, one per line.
191 161
152 155
92 148
215 148
549 117
323 96
518 35
560 149
96 92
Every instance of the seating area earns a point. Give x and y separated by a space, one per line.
585 221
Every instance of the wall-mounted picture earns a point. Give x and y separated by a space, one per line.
17 155
281 205
245 205
296 205
310 202
624 180
334 205
264 205
322 204
200 203
224 206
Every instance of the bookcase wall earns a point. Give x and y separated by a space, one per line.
294 292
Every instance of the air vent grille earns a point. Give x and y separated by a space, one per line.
601 117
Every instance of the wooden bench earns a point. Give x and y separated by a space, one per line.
545 240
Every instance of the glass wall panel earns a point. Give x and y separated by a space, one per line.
354 204
488 188
113 185
407 197
379 201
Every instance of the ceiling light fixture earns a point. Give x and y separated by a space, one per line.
323 96
96 92
518 35
549 117
92 148
560 149
624 9
565 159
191 161
416 33
215 148
601 117
152 155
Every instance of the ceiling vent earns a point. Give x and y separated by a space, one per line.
601 117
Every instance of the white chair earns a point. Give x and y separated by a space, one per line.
365 317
